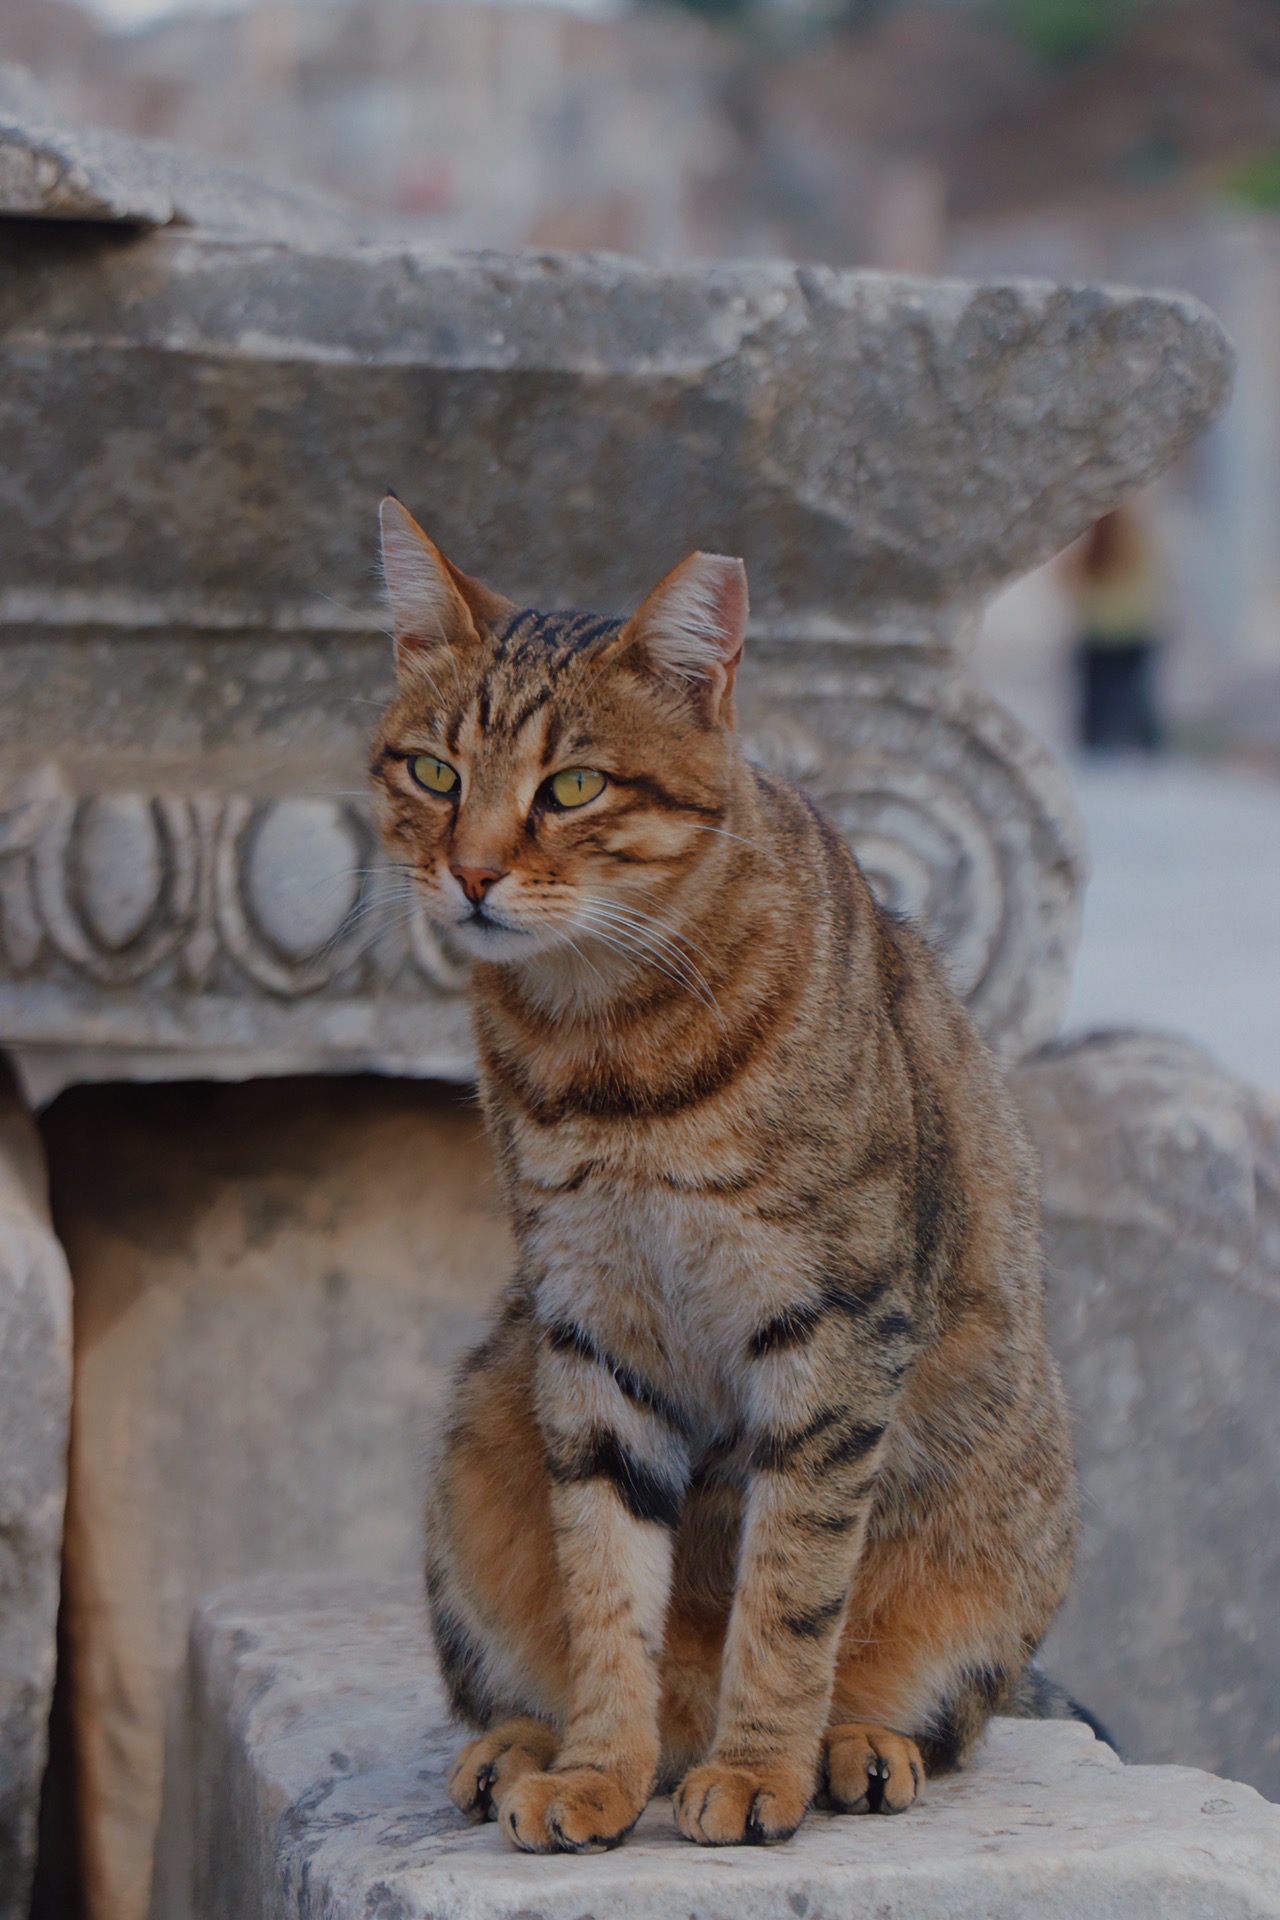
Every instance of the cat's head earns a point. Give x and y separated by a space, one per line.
557 780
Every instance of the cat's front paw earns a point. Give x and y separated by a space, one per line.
582 1810
490 1766
870 1770
723 1806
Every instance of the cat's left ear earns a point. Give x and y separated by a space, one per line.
692 628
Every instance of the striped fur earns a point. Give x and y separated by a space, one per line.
759 1487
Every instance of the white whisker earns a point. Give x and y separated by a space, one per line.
769 853
635 917
375 933
357 613
642 958
643 926
576 950
627 941
671 962
394 890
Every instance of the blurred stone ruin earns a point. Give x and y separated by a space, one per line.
268 1180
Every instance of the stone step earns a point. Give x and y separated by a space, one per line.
313 1782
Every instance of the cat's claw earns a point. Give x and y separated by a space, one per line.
582 1810
721 1806
489 1766
870 1770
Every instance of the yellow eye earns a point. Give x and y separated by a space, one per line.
437 776
576 786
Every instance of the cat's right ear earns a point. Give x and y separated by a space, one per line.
435 607
692 628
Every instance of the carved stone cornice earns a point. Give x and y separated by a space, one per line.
154 921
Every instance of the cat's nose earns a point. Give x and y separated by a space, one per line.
475 881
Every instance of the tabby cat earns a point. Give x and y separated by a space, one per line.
759 1487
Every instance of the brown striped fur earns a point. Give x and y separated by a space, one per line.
759 1487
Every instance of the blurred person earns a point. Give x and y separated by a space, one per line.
1113 576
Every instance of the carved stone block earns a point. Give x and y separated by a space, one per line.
200 430
35 1402
272 1284
1161 1196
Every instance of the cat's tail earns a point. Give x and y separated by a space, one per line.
1037 1697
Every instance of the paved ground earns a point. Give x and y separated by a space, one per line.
1182 915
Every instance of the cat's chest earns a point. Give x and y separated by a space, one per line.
680 1242
676 1254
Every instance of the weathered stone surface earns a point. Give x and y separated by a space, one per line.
882 451
315 1781
35 1395
53 172
271 1284
1161 1184
201 431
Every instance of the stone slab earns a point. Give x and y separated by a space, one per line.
882 451
49 171
317 1772
35 1399
1161 1207
272 1284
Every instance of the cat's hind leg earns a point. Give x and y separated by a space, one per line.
868 1769
493 1583
928 1652
489 1767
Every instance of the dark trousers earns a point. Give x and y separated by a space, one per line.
1118 693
